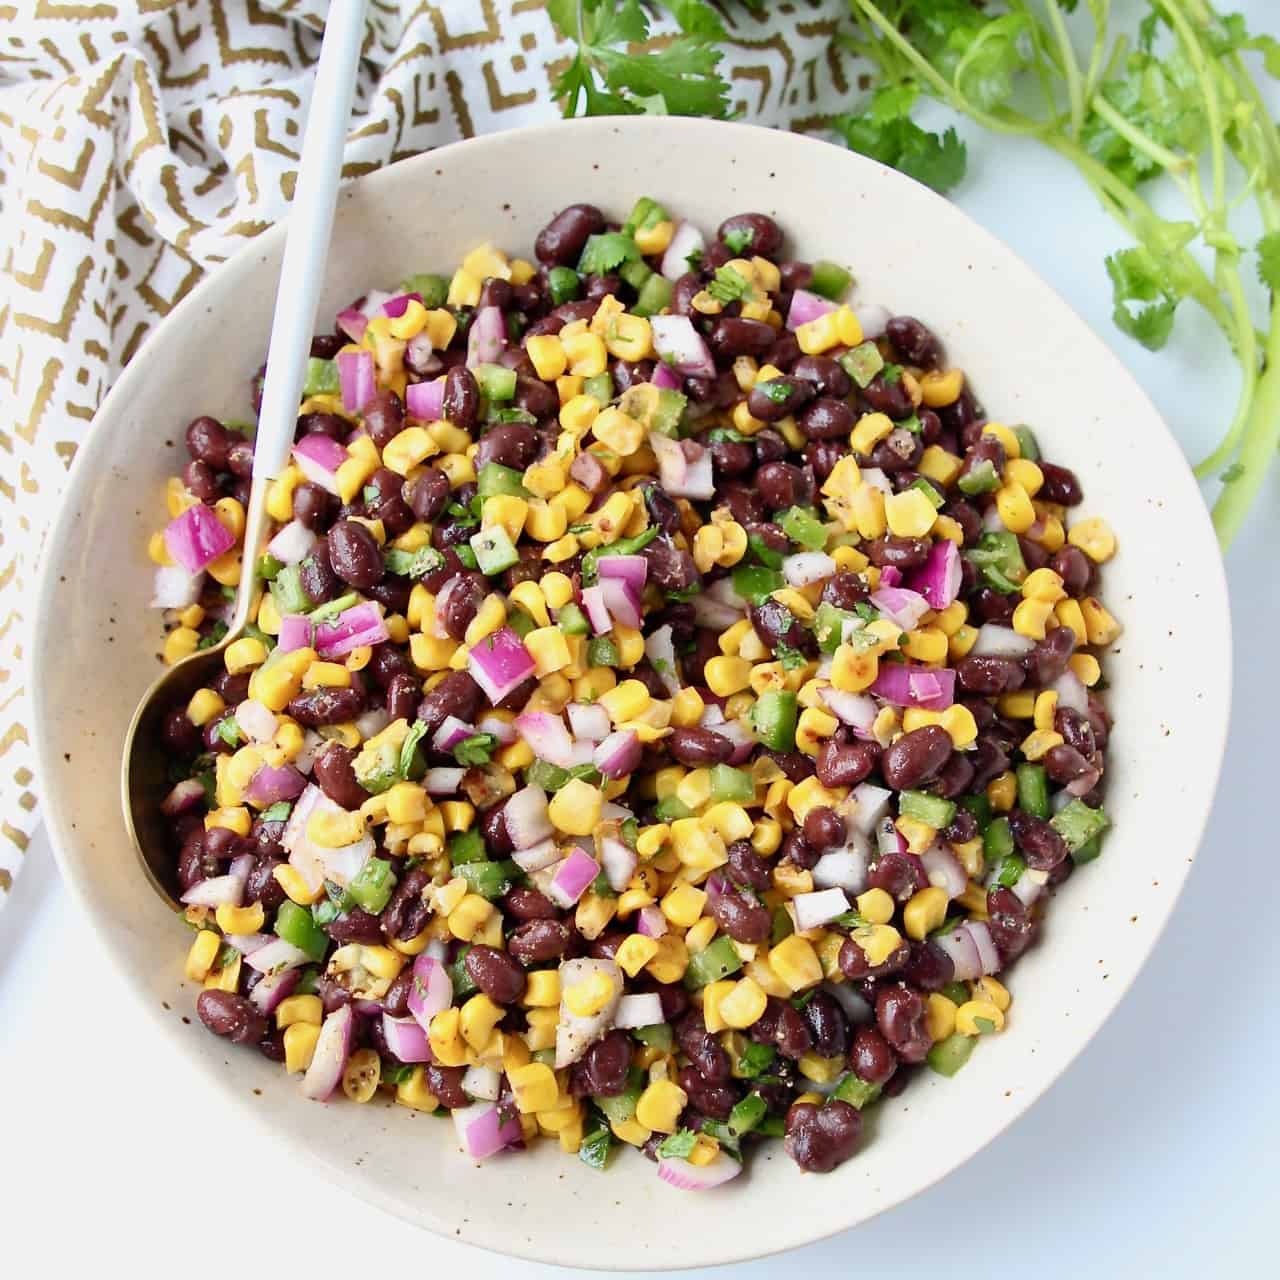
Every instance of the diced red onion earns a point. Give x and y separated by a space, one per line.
247 943
992 520
907 685
318 457
588 720
451 732
807 306
872 803
425 400
743 739
355 377
652 924
1081 786
581 752
483 1083
572 878
486 337
642 1010
271 784
844 868
353 323
1071 692
431 991
536 856
333 1048
988 956
407 1039
311 744
589 472
500 663
812 910
482 1130
277 957
873 318
890 576
618 755
597 611
877 479
960 946
503 730
547 737
622 600
372 722
184 796
633 570
856 1009
665 378
269 992
295 633
257 720
443 781
576 1033
215 891
526 819
197 537
902 607
938 579
806 567
1030 886
680 345
619 862
944 871
396 305
710 612
659 648
175 588
292 543
362 624
685 240
996 641
858 710
312 862
684 1176
889 839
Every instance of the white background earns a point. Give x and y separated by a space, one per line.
1157 1149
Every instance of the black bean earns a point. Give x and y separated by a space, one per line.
916 757
702 1048
828 1027
460 602
201 481
1042 847
928 967
778 398
428 493
854 963
1012 929
231 1016
456 695
524 904
406 914
731 457
751 235
845 764
1074 568
914 342
824 827
355 925
715 1100
797 850
354 554
602 1071
826 419
818 1138
892 551
737 912
989 675
537 941
178 733
747 867
745 505
891 398
208 441
870 1056
445 1085
1060 485
314 507
561 241
319 707
495 973
899 875
388 505
844 590
897 450
822 457
900 1016
461 400
1048 660
335 776
670 567
782 1027
781 485
695 747
384 417
512 444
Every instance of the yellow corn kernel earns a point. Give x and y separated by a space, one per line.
534 1087
635 951
588 997
743 1005
406 802
1014 507
869 431
796 963
939 388
811 794
925 644
1069 614
972 1013
853 670
586 354
290 879
1019 705
1086 668
1002 791
819 335
683 905
725 675
660 1105
575 808
687 708
300 1009
193 616
969 854
729 821
1045 709
227 978
813 728
445 1037
464 289
878 942
363 1072
326 675
939 465
542 989
939 1016
244 654
549 648
1039 742
469 916
655 239
629 337
300 1046
204 706
925 912
477 1019
712 994
671 960
700 935
280 494
952 618
918 835
547 354
1094 538
1043 584
239 920
962 640
876 906
1008 441
909 514
1100 627
1031 617
1025 473
204 951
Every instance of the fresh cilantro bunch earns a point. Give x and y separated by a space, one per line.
605 78
1172 96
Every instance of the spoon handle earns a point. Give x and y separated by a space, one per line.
302 269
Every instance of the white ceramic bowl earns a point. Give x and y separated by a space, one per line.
1031 360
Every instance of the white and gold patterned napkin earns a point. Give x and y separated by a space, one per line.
143 143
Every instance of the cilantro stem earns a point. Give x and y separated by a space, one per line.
1165 158
1070 67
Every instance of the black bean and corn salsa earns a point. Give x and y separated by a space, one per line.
672 702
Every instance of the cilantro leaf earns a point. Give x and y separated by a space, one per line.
678 1144
886 132
1136 276
736 239
606 252
697 18
417 731
790 658
412 564
475 750
730 285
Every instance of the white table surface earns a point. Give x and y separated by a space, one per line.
1158 1149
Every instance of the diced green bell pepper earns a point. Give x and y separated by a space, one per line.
295 925
497 382
773 719
495 552
855 1091
997 840
717 960
862 363
321 378
728 783
372 885
949 1055
564 285
1033 789
802 526
431 288
1077 824
933 810
830 280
